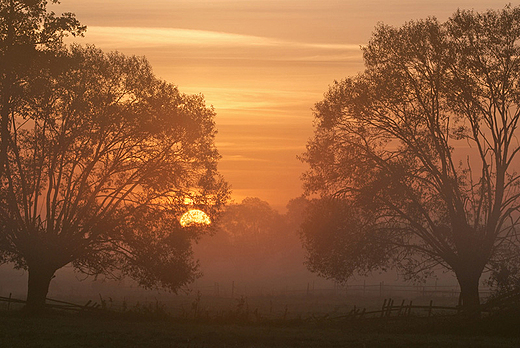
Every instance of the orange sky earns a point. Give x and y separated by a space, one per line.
261 63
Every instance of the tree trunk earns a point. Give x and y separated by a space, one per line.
469 294
38 287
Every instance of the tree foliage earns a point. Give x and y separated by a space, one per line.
254 245
29 35
416 157
250 233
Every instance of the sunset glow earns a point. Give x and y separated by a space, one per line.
261 64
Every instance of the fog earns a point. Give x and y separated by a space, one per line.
253 251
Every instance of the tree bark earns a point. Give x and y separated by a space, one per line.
38 287
469 291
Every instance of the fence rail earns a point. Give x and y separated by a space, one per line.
391 310
55 304
380 290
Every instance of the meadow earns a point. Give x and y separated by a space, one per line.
267 321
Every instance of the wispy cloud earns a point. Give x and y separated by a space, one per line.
150 37
242 158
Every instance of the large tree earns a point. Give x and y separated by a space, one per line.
416 158
100 160
28 35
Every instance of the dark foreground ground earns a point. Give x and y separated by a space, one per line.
127 330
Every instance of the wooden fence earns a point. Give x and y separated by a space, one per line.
379 290
54 304
390 309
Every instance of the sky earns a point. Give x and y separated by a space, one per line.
262 64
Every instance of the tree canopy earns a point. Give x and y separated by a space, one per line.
100 160
416 158
28 35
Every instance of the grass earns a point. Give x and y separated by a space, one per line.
129 330
278 321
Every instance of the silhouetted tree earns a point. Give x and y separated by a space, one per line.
253 242
101 159
251 223
249 233
28 35
416 157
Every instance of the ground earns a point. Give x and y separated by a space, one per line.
59 330
203 321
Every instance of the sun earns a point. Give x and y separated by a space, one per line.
194 216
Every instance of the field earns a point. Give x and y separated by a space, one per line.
255 322
85 331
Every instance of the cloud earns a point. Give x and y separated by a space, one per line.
153 37
242 158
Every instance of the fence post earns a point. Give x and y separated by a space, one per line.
389 307
430 309
383 308
9 301
364 287
400 309
86 305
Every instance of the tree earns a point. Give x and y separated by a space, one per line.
416 157
254 245
102 159
28 33
248 233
